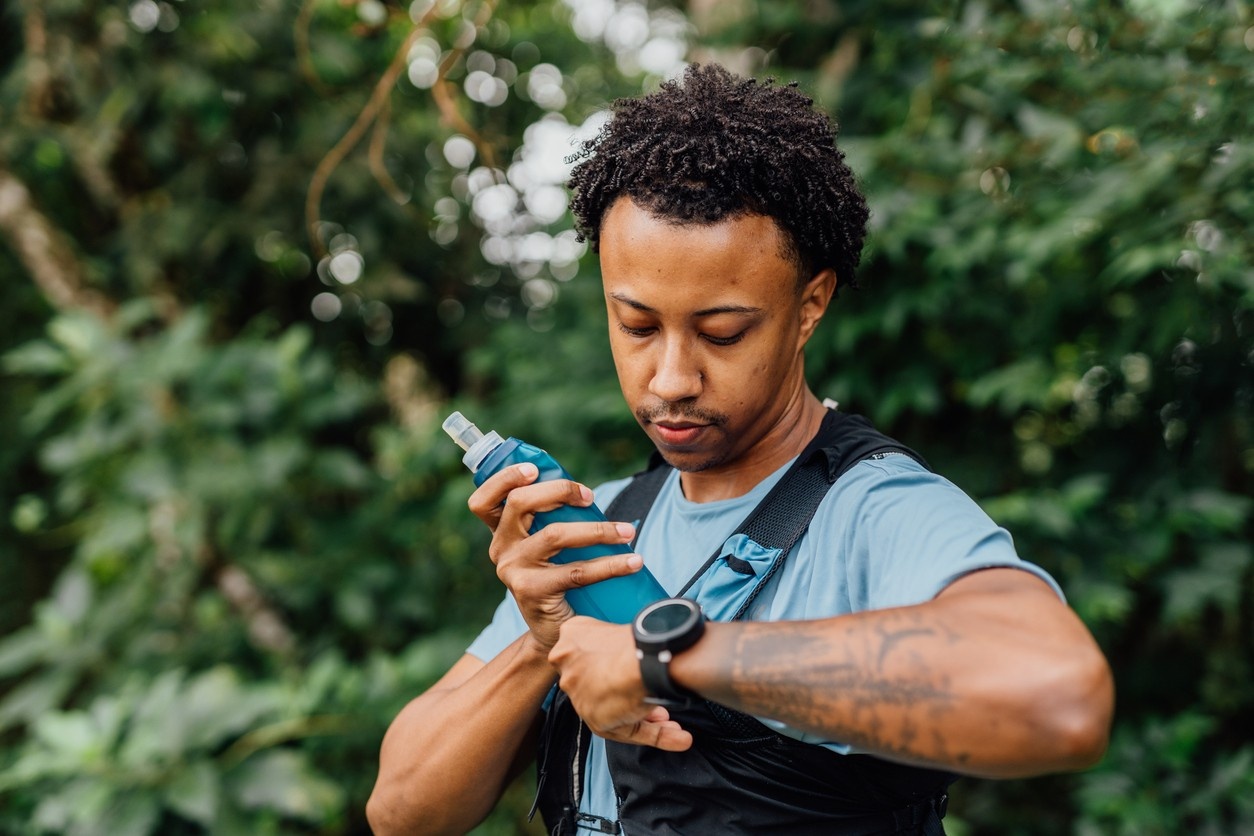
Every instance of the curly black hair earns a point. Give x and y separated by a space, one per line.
716 145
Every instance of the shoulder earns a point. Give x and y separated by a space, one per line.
889 477
902 533
894 498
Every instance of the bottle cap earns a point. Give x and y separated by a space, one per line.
471 439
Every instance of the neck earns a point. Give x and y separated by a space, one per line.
784 439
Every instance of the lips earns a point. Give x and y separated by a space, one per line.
678 433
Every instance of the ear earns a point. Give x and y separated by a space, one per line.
815 297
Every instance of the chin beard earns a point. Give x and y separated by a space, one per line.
686 463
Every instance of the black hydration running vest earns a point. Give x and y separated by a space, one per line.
739 776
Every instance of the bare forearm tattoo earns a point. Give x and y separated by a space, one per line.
874 684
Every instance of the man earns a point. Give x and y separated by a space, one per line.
902 643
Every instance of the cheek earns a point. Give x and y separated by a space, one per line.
628 364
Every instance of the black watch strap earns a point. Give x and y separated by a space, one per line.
656 675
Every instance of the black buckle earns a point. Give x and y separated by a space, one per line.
597 823
907 819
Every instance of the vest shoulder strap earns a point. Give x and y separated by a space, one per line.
842 441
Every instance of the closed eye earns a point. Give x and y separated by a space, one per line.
634 332
709 338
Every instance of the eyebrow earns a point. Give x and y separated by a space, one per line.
717 309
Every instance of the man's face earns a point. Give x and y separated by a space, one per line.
706 327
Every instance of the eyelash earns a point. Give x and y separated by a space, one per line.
719 341
633 332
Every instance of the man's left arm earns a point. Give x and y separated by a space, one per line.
995 676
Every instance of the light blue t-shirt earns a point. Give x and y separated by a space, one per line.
888 534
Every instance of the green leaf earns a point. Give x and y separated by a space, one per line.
36 696
216 707
195 793
22 650
134 813
1216 580
284 781
1012 387
36 358
72 734
1213 510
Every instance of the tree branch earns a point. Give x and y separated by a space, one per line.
46 252
304 54
375 109
333 158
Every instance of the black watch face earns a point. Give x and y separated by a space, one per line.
666 619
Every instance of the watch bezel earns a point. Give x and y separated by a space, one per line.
676 639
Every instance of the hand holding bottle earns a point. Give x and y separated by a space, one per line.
550 523
510 502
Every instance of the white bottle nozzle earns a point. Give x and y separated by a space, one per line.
471 439
461 430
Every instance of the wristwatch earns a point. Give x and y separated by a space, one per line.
663 629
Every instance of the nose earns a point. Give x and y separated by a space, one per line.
677 376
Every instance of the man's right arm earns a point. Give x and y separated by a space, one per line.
450 753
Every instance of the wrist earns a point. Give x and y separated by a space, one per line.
536 649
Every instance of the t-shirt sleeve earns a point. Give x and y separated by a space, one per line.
506 625
507 622
909 533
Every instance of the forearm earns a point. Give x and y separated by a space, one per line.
974 683
449 754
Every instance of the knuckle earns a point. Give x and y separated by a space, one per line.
578 575
551 537
504 574
522 588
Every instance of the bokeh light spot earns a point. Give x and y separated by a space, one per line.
347 266
326 306
145 15
459 151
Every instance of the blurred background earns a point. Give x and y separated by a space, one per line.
253 251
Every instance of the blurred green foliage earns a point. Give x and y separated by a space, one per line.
235 541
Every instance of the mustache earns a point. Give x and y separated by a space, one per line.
680 411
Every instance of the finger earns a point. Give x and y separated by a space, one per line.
525 502
519 504
586 572
659 714
667 735
512 550
572 535
488 499
511 547
519 573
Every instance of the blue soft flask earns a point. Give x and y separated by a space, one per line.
617 599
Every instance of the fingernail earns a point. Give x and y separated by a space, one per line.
625 530
585 493
528 469
635 561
